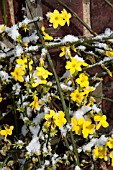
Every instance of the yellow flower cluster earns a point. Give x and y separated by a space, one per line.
82 126
104 152
19 70
100 152
85 127
59 19
57 119
80 94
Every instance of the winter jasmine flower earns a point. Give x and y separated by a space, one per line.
102 121
66 16
35 103
60 120
100 152
77 96
41 72
83 80
110 143
18 74
77 125
6 131
88 128
56 19
111 156
75 65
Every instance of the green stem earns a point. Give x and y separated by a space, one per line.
49 133
6 159
4 11
78 18
104 98
109 3
15 118
58 86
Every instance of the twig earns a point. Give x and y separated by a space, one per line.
109 3
4 11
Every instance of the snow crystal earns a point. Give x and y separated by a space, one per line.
69 38
19 50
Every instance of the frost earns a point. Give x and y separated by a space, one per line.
34 146
95 108
43 52
81 47
78 58
19 50
77 168
14 32
2 55
80 112
69 38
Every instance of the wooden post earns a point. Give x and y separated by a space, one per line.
11 10
86 17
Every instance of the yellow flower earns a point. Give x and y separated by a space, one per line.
30 65
66 16
88 128
65 51
102 121
7 131
56 19
111 156
74 65
35 103
22 62
100 152
18 73
0 99
109 53
77 125
46 36
25 44
51 115
25 27
88 89
77 96
2 27
60 120
83 80
42 72
50 119
110 143
35 84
